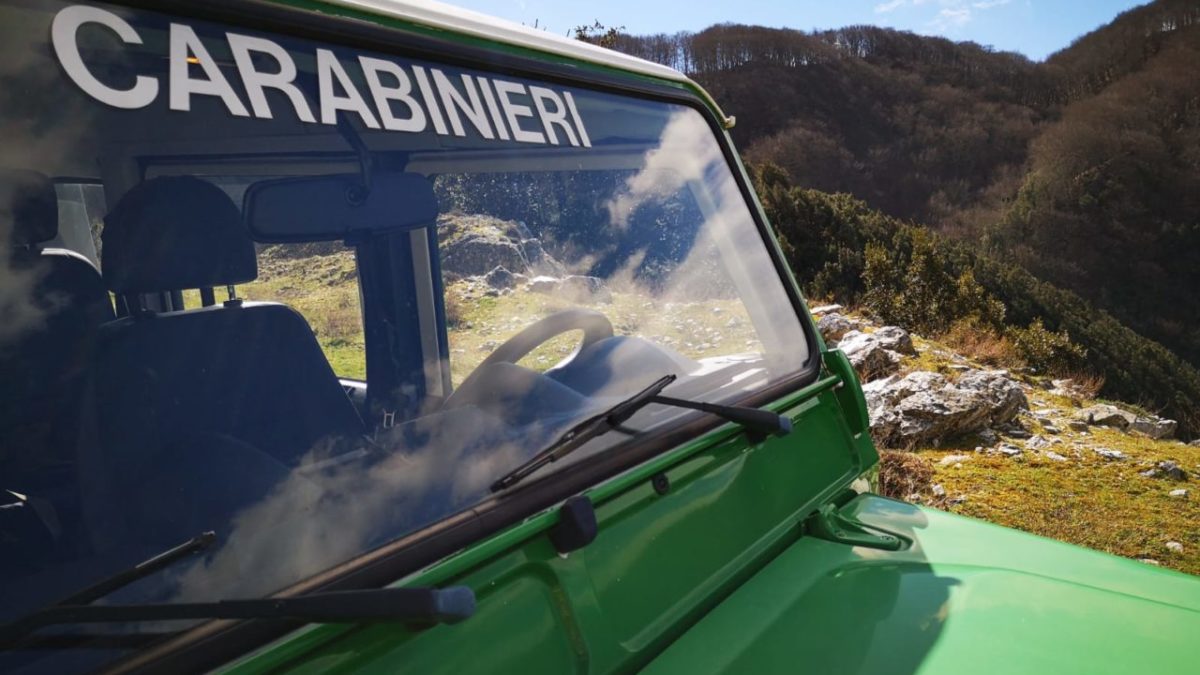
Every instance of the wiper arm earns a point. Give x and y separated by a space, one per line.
755 420
140 570
400 605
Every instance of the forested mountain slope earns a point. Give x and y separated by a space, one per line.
1083 169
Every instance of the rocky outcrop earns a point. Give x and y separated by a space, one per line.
474 246
1106 415
868 355
834 325
500 278
924 407
477 255
895 339
1154 427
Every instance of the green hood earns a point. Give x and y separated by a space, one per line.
966 598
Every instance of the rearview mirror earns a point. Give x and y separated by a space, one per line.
325 208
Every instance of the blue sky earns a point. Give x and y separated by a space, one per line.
1035 28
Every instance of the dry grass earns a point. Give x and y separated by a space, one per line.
902 474
982 344
1087 385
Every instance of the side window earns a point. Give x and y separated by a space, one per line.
81 209
321 282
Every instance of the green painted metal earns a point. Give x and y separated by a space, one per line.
658 564
966 597
849 395
722 574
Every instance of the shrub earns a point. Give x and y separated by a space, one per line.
839 248
1046 351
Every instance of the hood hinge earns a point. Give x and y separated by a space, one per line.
830 524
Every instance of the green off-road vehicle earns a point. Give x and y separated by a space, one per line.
370 336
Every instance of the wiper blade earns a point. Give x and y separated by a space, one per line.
399 605
755 420
141 570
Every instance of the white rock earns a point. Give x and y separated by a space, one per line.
1108 453
833 326
1037 442
1105 415
1154 427
937 490
1008 449
1178 493
868 355
923 407
1050 454
1175 546
825 309
896 339
953 459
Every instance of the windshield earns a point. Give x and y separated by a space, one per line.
186 348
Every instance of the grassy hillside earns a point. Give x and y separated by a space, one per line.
1081 498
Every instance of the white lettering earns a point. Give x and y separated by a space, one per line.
63 35
256 81
583 134
453 102
186 48
384 95
430 103
559 116
514 110
494 109
329 69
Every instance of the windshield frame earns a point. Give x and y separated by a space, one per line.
217 642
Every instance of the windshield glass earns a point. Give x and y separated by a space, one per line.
186 347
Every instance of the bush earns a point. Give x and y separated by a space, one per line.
838 247
1046 351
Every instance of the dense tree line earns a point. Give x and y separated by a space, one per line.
841 248
1083 169
1110 204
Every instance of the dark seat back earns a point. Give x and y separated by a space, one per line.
252 371
53 301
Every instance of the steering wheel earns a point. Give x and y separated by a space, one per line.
595 327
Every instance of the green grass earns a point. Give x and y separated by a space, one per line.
323 288
695 329
1088 500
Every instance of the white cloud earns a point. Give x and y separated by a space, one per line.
951 14
951 17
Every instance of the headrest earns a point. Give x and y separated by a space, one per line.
28 207
174 233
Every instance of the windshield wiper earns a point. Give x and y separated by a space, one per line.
755 420
399 605
143 569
